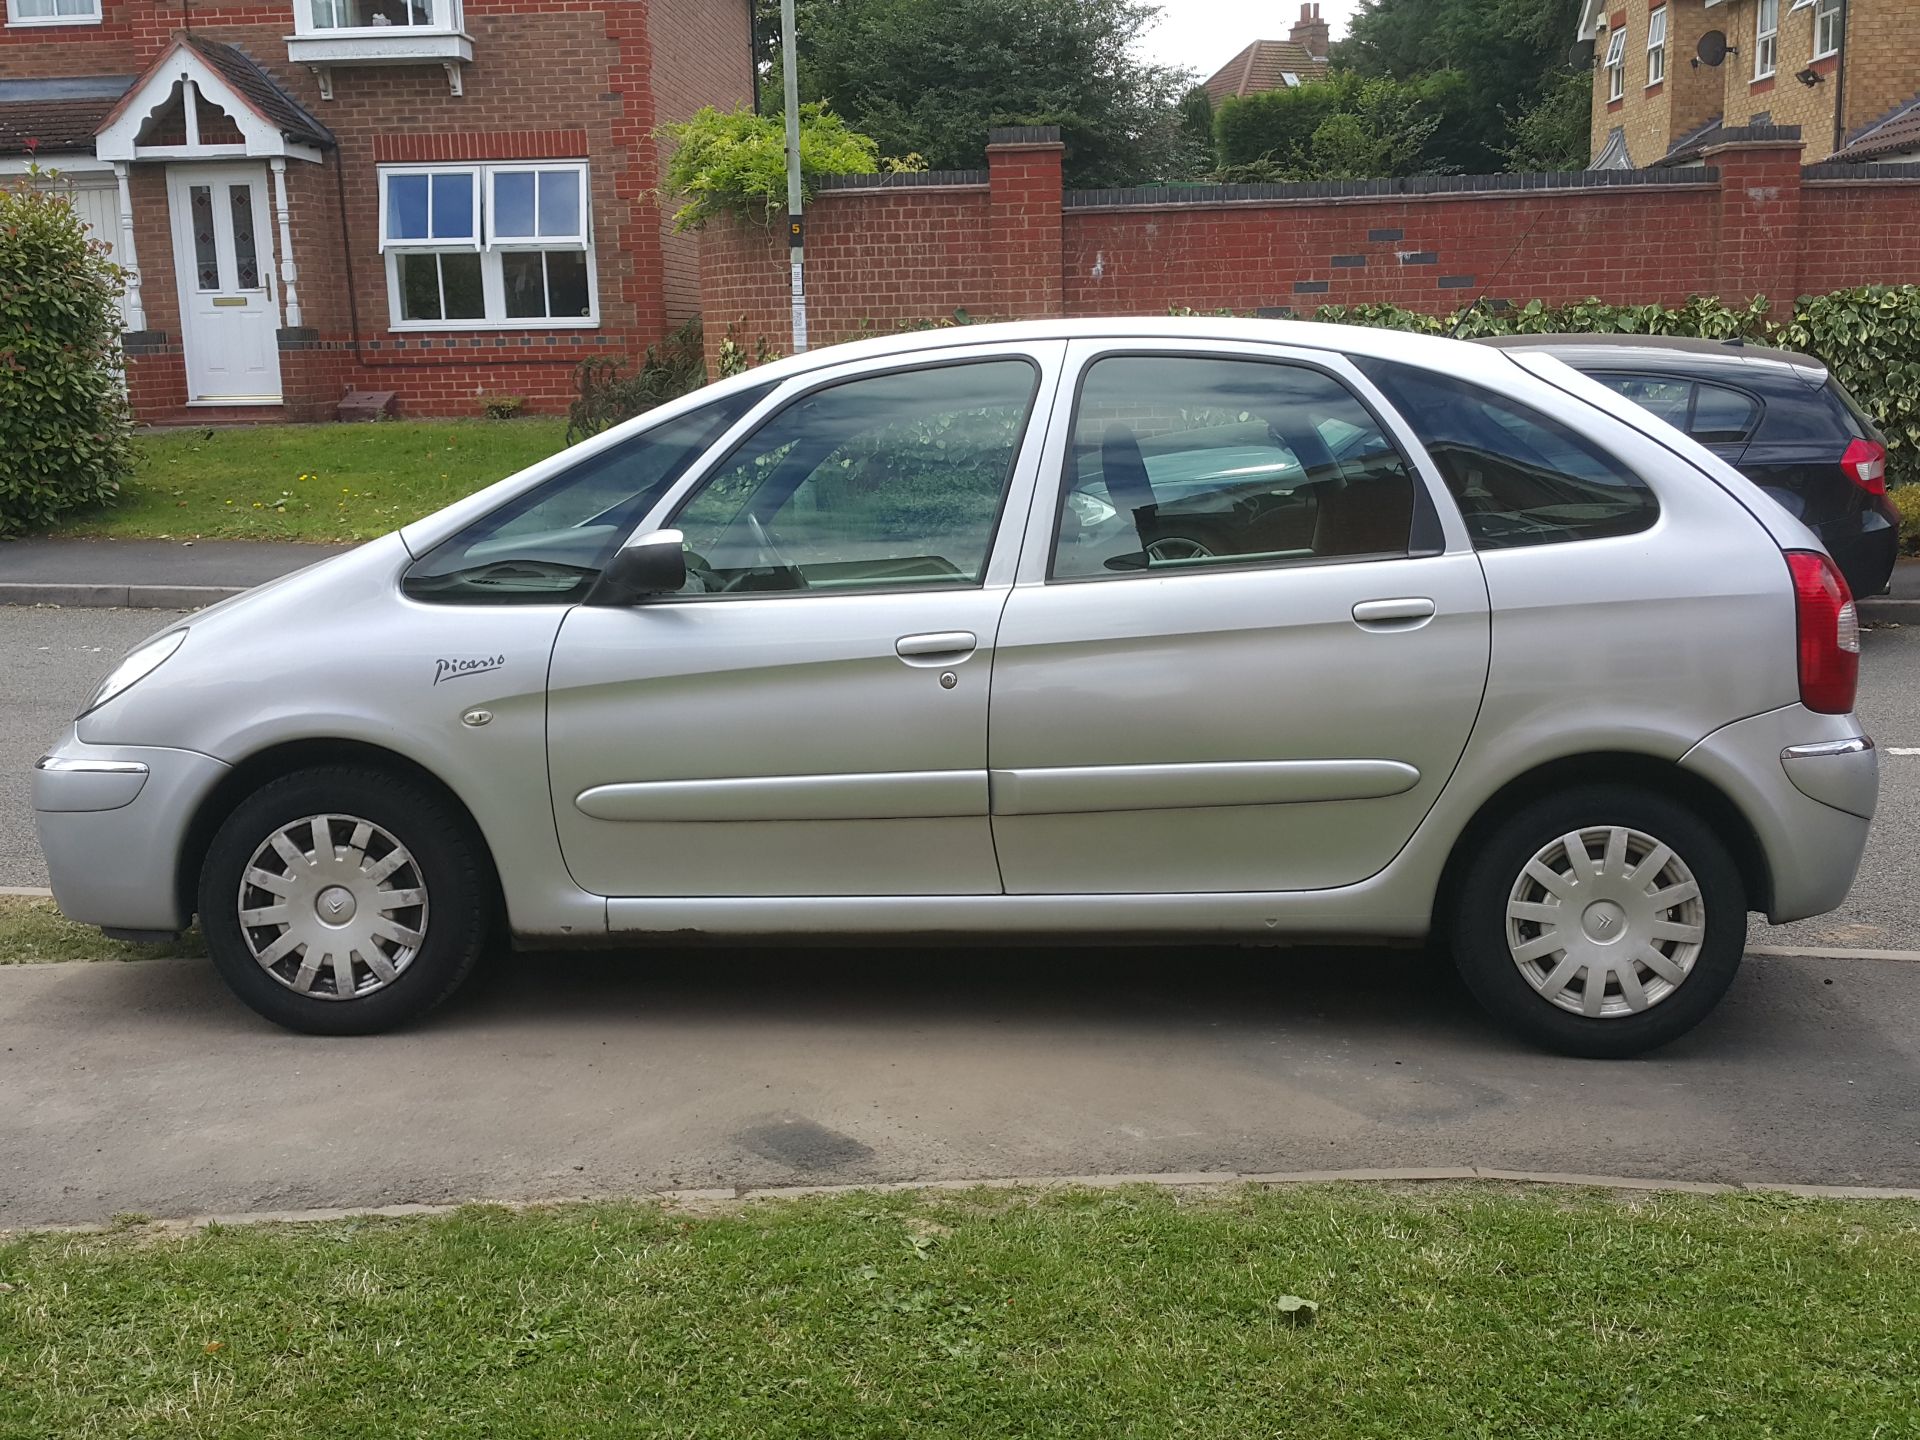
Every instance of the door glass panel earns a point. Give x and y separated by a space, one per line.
548 545
1665 397
888 482
1519 477
1184 462
206 254
1722 416
246 260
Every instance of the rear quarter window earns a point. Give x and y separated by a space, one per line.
1519 476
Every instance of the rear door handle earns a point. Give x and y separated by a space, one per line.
939 645
1388 612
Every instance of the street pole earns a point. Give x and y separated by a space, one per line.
796 219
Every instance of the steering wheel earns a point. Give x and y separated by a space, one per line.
773 553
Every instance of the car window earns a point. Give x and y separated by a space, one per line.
1722 416
1519 476
1184 462
548 545
1670 399
890 481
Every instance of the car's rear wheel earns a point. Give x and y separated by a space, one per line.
344 900
1602 921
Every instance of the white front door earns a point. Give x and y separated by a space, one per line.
223 260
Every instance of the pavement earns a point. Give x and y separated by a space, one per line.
145 574
144 1086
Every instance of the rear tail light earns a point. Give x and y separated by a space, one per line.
1865 462
1829 628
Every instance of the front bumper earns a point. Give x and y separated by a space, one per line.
112 820
1808 785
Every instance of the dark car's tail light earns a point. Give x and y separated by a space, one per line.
1829 629
1865 462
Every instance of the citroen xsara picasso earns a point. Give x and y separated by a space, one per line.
1113 630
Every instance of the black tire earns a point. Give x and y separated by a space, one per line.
452 865
1479 939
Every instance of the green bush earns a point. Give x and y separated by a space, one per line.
502 407
736 163
68 441
1868 337
1906 499
604 395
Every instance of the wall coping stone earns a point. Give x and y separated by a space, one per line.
1435 186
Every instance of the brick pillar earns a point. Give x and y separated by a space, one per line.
1026 225
1757 235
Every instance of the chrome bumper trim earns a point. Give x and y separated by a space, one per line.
79 765
1856 745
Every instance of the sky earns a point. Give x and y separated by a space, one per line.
1204 34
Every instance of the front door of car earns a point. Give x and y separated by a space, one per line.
1249 637
809 715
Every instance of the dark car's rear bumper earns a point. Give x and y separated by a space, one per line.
1865 546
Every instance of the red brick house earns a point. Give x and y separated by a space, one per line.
437 198
1265 65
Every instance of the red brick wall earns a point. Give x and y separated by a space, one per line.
879 259
550 79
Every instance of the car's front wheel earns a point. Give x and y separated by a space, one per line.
343 900
1602 921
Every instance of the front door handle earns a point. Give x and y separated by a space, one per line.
1393 612
940 645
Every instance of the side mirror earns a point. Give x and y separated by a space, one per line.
651 564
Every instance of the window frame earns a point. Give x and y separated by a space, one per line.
490 249
15 18
1656 46
1616 66
693 484
448 19
1766 43
1828 11
1426 536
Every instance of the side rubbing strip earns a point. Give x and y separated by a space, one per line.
1091 789
891 795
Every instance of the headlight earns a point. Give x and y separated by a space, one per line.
135 668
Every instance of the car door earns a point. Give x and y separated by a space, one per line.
1249 637
809 716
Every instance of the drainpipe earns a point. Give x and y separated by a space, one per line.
1840 83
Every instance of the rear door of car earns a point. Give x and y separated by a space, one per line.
1248 640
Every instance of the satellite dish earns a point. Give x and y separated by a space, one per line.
1580 57
1712 48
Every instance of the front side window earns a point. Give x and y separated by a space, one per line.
1185 462
1766 37
52 12
888 482
1826 28
1518 476
1657 46
481 245
1617 64
548 546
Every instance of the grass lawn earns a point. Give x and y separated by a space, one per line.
311 482
1444 1311
33 932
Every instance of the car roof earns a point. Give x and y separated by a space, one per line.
1696 354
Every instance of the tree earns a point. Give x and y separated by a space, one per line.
1553 132
1503 59
67 429
1345 128
931 77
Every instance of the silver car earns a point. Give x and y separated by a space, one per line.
1120 630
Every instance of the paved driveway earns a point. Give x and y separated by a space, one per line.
145 1087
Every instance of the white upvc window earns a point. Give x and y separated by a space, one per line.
379 16
1826 28
483 247
1766 37
1657 47
1617 64
53 12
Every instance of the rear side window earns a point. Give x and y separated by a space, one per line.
1519 477
1193 462
1722 416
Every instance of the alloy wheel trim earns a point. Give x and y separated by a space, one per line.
1605 922
333 907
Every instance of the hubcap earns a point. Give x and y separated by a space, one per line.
333 907
1605 922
